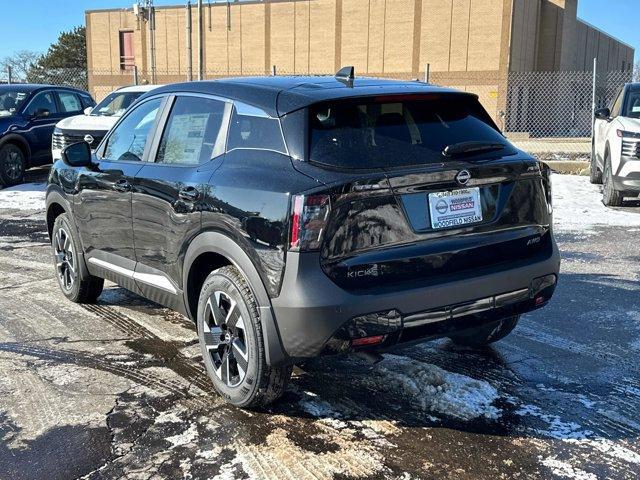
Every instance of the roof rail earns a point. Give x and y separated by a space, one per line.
346 75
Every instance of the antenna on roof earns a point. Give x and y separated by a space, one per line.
346 75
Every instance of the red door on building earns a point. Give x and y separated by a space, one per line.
127 57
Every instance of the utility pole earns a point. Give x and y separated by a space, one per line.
200 33
152 38
189 43
594 87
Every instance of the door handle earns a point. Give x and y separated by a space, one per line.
122 186
189 194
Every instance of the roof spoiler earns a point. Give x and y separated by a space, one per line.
346 75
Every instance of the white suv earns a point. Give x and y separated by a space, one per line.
615 157
96 122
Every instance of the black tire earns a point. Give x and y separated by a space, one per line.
65 244
12 165
610 196
595 175
232 343
487 334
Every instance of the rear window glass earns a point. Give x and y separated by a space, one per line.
392 133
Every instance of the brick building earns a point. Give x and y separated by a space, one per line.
468 44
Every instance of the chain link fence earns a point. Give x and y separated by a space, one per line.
548 114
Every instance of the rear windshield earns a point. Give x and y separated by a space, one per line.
387 133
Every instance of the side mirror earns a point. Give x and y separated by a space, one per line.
88 110
77 155
603 114
41 113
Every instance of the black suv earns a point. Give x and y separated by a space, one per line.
292 217
28 115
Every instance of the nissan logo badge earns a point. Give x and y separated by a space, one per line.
88 139
463 177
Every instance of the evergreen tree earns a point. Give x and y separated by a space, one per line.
65 63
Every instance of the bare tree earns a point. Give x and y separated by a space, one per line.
20 63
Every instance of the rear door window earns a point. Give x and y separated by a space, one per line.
69 102
252 128
194 133
389 132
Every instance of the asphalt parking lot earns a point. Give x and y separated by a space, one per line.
118 389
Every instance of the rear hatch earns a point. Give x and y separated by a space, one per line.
422 188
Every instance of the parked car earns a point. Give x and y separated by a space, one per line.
28 114
93 125
615 157
402 214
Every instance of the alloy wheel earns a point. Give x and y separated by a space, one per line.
65 259
12 164
608 187
225 338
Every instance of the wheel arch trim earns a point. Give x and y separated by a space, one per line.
54 197
220 244
18 139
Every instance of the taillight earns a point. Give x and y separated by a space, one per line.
308 220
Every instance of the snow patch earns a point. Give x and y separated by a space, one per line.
565 470
28 196
573 434
557 428
168 417
609 448
316 407
434 389
578 207
184 438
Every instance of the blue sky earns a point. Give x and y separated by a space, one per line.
35 24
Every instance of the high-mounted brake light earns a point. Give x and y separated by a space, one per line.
308 220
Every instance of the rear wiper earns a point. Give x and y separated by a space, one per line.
471 148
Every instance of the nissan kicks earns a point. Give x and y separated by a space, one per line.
292 217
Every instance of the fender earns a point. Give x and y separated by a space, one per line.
54 195
215 242
15 138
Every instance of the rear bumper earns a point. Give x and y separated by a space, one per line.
313 313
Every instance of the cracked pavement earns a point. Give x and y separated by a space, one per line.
118 389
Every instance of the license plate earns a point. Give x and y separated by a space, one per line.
455 208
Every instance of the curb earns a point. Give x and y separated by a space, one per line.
570 168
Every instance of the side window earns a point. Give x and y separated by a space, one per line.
193 133
69 102
252 128
42 101
616 109
129 139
